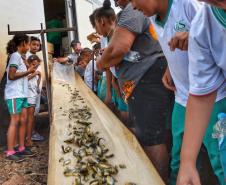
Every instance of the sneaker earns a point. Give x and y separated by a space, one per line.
27 152
15 157
37 137
16 148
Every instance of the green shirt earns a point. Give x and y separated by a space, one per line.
54 37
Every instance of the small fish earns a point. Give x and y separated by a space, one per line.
66 150
85 123
70 140
122 166
61 159
109 156
110 180
94 182
67 162
70 172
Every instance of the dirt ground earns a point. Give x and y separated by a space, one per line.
32 171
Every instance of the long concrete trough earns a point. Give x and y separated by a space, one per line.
120 142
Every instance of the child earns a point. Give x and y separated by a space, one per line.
172 21
33 93
72 58
106 28
89 75
80 67
207 72
140 65
35 46
16 97
104 84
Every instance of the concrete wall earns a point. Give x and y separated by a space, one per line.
20 15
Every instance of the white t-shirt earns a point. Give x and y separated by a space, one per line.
88 76
73 57
33 87
180 16
207 52
28 54
16 88
103 42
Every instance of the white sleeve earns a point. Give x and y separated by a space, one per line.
103 42
204 75
191 7
95 65
14 60
39 68
70 58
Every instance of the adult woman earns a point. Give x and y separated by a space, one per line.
140 65
105 21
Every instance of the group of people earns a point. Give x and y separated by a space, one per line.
147 53
22 95
154 48
104 84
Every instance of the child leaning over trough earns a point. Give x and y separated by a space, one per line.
207 72
16 93
34 80
172 20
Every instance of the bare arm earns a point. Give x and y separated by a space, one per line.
108 89
39 78
168 81
33 75
120 44
198 113
14 75
116 86
61 60
179 41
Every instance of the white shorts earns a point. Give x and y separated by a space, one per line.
32 101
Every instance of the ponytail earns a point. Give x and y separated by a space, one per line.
106 11
15 42
11 47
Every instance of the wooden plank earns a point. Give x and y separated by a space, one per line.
119 140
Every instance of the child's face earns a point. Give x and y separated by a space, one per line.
83 64
34 46
104 26
25 47
35 64
87 57
148 7
77 48
218 3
